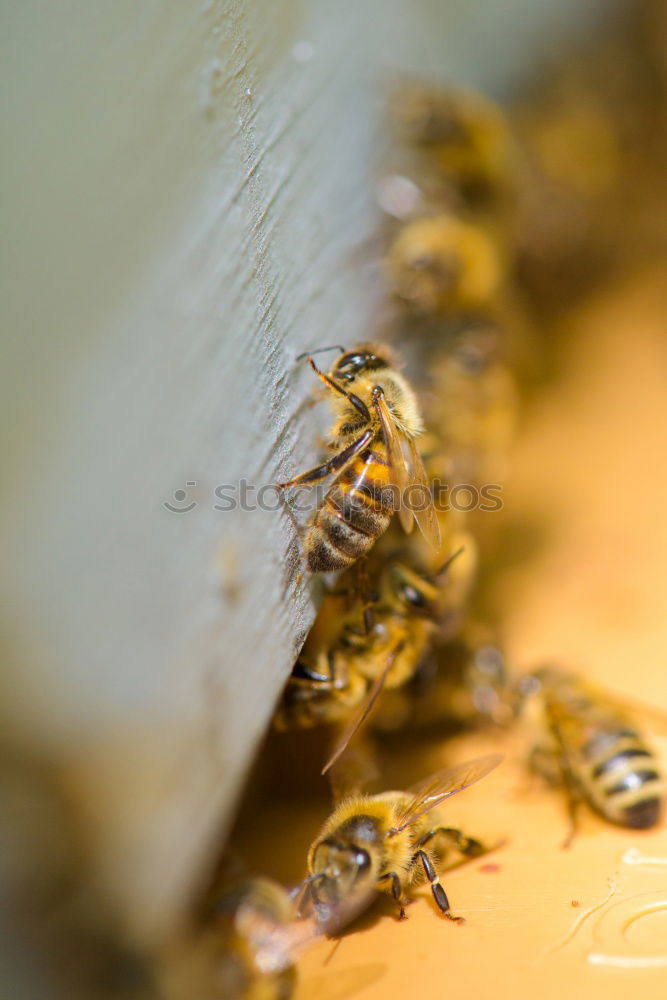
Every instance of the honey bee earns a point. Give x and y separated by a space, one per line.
462 134
243 947
599 754
439 264
602 756
383 842
376 463
339 679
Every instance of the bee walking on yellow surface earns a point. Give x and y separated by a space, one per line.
376 463
384 842
602 756
597 752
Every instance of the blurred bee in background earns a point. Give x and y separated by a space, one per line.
461 134
384 841
340 674
596 752
439 264
376 466
473 404
453 246
243 946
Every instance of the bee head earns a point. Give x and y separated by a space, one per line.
339 870
344 865
363 359
412 591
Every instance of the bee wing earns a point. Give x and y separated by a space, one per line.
433 790
353 772
632 710
366 709
398 467
426 518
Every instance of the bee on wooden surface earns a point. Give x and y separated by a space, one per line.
439 264
597 752
339 679
462 134
376 465
384 842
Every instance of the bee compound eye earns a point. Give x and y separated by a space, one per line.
413 596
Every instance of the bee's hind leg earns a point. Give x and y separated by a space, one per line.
468 846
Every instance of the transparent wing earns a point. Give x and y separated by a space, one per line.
367 707
433 790
399 475
354 771
426 518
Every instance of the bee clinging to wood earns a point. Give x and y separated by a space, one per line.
376 465
340 676
384 842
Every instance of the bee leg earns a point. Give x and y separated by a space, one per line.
439 894
467 846
333 465
397 893
573 803
553 767
545 762
357 403
368 598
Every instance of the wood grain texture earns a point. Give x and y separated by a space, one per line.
189 186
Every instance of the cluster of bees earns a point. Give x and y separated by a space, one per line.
401 601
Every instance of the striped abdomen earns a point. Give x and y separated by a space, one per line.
354 513
619 775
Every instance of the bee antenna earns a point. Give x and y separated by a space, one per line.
448 562
320 350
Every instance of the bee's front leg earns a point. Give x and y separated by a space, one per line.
397 893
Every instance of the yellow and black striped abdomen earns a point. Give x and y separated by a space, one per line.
620 777
354 513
